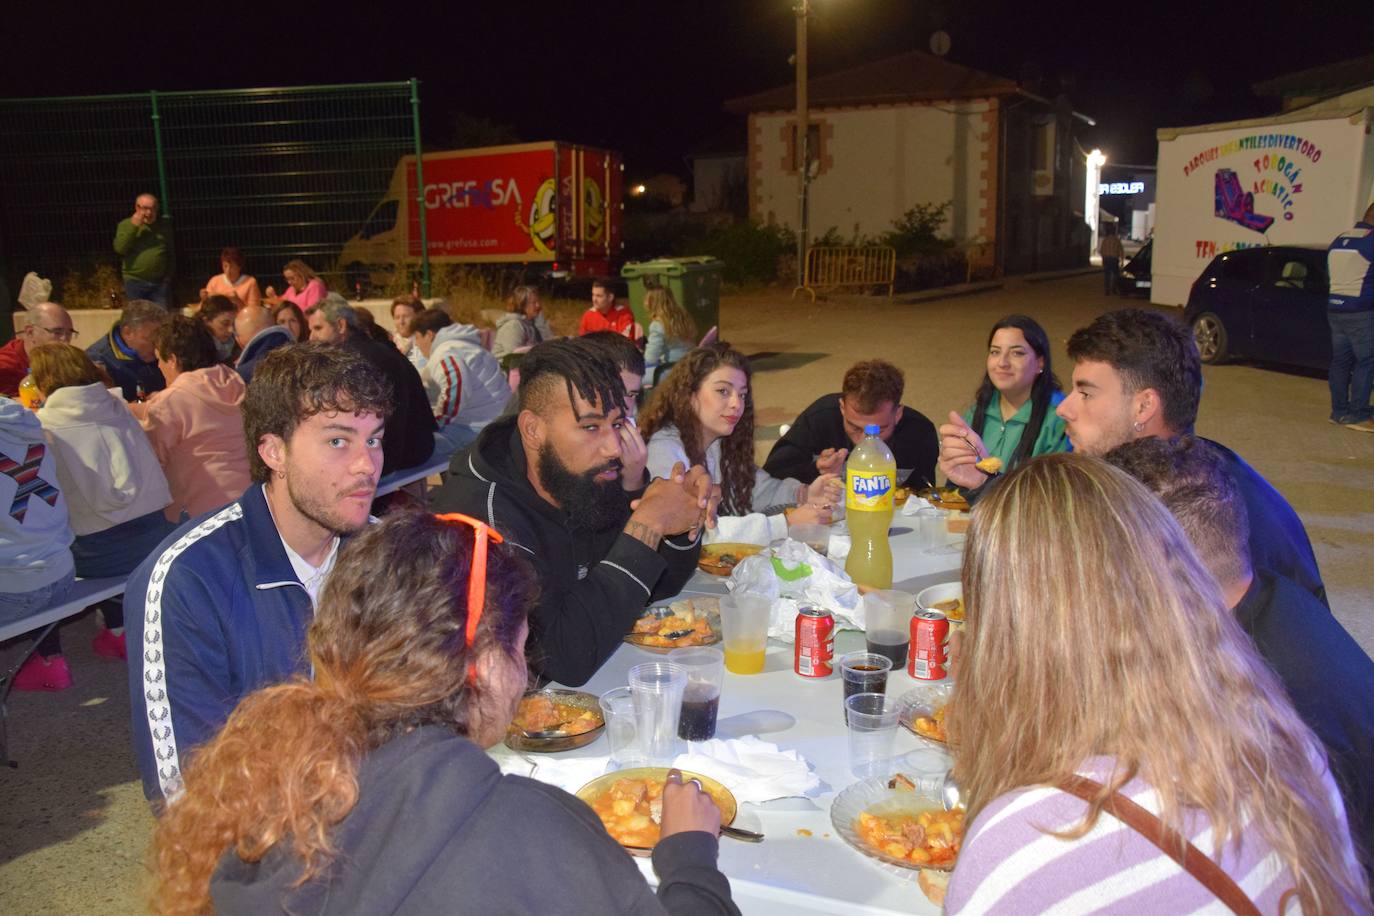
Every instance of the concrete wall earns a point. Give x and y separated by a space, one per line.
876 162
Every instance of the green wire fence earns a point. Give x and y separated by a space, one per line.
278 173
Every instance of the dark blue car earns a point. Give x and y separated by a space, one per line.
1265 304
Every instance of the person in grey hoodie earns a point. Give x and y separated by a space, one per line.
365 789
36 568
465 384
115 488
523 326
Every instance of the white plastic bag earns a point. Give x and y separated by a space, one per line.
791 574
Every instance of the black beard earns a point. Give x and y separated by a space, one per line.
591 504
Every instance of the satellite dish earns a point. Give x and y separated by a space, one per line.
939 43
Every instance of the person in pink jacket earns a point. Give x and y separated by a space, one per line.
302 287
195 425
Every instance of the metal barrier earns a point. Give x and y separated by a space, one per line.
279 173
854 267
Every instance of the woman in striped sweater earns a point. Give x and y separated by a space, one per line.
1098 645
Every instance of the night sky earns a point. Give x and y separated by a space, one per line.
650 78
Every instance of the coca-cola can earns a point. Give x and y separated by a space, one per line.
815 644
929 657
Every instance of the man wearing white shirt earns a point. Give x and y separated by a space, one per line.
227 598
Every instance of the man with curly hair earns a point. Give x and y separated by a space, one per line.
221 607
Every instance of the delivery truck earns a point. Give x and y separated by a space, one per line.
1300 178
540 209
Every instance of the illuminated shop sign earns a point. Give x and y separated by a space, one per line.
1121 187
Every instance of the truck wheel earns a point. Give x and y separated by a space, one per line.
1210 336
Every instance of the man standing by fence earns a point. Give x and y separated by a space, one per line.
144 245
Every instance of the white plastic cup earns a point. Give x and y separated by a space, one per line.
872 729
931 527
701 701
817 537
744 626
617 708
657 688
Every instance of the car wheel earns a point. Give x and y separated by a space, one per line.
1210 336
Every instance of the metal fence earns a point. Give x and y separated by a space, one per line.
873 265
279 173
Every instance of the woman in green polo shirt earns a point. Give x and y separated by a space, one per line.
1014 408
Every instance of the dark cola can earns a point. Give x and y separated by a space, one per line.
929 657
815 645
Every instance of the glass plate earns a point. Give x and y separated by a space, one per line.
874 795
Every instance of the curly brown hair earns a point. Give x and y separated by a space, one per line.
671 405
292 384
389 655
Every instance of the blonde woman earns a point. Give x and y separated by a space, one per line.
523 325
303 287
1099 646
672 332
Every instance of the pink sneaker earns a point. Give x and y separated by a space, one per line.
39 673
107 644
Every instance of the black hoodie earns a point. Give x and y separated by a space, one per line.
438 829
593 585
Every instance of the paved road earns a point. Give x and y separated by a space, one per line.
73 826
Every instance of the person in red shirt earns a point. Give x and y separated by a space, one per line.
606 314
48 322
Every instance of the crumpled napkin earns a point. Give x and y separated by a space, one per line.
777 574
567 773
915 504
752 769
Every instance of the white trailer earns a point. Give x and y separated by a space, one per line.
1300 178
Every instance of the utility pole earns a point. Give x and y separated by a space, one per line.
802 143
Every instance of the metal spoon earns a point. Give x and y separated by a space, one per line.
748 836
950 795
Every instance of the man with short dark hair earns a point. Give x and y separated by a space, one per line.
411 427
606 314
45 323
1327 676
127 351
819 440
628 358
257 335
554 482
222 606
1350 313
144 245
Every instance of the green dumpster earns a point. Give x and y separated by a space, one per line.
694 283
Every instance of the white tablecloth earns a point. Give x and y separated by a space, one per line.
791 871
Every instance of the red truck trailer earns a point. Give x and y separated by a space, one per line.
552 209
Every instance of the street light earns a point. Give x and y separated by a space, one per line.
802 143
1091 211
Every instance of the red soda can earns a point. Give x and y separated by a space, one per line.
815 644
929 652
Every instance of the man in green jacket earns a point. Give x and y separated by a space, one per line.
144 245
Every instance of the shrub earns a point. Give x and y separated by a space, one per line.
917 231
750 251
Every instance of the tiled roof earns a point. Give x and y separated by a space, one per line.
911 77
1328 79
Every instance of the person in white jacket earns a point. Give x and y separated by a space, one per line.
466 387
36 568
115 488
703 413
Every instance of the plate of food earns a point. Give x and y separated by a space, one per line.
685 622
921 710
900 496
947 598
721 558
554 720
947 498
630 804
903 828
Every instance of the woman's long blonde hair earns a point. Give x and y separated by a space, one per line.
660 306
1093 629
389 654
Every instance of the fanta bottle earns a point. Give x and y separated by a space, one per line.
870 476
28 394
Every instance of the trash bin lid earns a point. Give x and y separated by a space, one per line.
673 267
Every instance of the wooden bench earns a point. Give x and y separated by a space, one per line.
84 593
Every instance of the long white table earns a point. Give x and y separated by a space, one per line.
803 866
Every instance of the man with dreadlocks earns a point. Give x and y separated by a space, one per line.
557 481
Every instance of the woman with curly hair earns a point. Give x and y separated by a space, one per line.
1105 692
366 789
703 413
